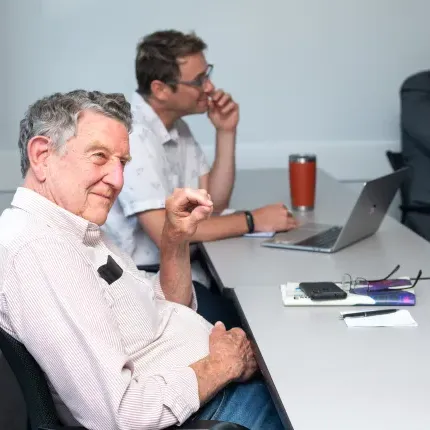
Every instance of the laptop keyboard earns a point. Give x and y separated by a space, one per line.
325 239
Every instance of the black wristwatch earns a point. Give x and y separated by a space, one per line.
249 221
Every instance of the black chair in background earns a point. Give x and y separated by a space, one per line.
415 148
397 161
41 411
150 268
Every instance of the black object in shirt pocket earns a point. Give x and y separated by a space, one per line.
111 271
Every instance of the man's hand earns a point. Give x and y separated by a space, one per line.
232 350
185 209
230 359
223 111
274 217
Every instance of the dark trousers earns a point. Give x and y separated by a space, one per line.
214 307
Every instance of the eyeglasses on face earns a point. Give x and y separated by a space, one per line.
199 81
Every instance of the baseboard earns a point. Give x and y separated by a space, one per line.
353 161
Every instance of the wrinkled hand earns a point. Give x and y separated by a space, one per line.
233 351
185 209
223 111
274 217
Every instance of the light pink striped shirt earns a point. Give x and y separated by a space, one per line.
117 356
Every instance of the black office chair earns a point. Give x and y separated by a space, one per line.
150 268
397 161
41 411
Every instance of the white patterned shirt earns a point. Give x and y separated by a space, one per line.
116 355
162 160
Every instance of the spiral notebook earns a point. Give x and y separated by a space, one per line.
292 295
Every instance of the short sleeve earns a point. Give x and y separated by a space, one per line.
196 162
201 162
144 187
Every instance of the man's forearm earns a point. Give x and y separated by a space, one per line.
211 378
221 227
222 174
175 270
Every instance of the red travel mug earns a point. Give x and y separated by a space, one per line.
303 169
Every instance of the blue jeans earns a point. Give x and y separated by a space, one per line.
248 404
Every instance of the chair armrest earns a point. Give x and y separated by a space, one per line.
228 426
417 208
211 425
62 428
195 425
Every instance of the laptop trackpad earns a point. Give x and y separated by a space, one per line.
300 233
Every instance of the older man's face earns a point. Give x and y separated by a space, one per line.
88 177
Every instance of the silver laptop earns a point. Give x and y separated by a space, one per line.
366 217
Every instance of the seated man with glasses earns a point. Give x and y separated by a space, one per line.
173 81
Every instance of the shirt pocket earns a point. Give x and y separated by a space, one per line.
133 303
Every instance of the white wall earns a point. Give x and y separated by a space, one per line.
316 75
5 100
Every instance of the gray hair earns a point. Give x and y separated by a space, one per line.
56 117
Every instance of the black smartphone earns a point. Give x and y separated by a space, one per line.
322 290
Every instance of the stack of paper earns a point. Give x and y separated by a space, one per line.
260 234
400 318
228 211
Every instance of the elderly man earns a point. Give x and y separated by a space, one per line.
121 349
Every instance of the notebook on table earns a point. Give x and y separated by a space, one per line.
292 295
399 318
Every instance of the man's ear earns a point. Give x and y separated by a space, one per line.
38 150
160 90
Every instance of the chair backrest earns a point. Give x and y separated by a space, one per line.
40 405
415 133
397 161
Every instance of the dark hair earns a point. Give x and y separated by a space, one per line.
157 57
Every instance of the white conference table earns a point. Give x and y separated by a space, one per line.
322 374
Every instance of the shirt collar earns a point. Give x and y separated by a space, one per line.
52 214
144 114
